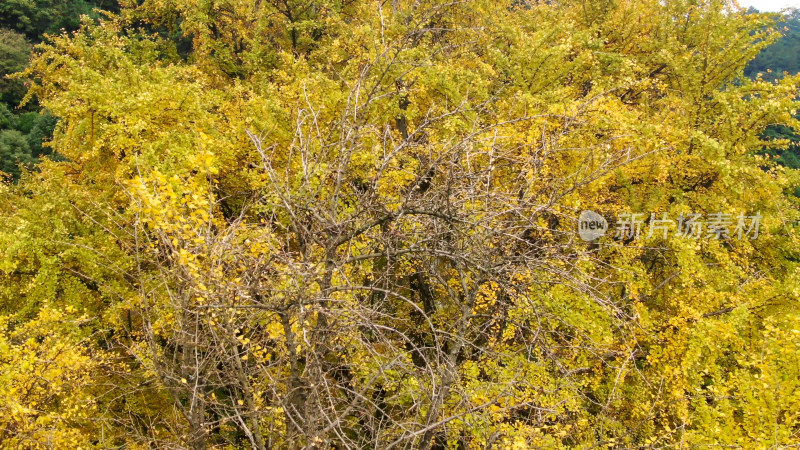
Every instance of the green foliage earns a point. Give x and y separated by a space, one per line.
26 121
23 139
34 18
776 60
14 152
7 118
40 133
789 154
784 55
14 54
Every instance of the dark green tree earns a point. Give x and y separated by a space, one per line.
34 18
15 51
14 153
41 131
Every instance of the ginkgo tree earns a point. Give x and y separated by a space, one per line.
313 224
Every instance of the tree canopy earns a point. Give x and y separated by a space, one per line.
352 224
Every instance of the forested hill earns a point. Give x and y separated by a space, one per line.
780 58
783 55
34 18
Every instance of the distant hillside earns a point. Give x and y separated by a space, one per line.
783 56
34 18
